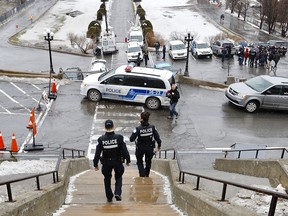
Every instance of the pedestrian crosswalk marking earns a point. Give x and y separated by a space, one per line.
124 124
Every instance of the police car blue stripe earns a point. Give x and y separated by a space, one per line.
134 92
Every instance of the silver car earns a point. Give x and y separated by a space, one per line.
260 92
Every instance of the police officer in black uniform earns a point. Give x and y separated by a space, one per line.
114 152
146 135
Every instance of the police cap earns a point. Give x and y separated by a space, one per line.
109 124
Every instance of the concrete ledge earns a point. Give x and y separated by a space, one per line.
50 197
275 170
196 82
193 202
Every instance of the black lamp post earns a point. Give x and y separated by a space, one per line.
188 39
48 36
106 22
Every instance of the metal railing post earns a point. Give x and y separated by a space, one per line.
273 206
9 192
198 183
282 155
224 192
256 156
37 182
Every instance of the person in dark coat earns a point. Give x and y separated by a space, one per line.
164 51
138 61
114 152
145 135
157 47
174 96
146 58
276 58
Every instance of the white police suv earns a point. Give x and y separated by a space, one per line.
128 83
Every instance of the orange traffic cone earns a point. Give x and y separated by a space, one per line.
33 114
53 87
31 120
14 146
2 145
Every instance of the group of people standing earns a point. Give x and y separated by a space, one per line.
112 152
261 56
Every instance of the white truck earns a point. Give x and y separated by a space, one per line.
136 35
108 41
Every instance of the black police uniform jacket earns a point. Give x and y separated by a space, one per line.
146 134
112 147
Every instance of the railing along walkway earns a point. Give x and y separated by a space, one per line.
140 196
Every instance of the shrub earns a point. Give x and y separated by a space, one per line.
140 11
146 24
99 15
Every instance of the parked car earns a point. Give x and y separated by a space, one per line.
260 45
96 66
243 44
219 45
280 45
201 48
132 51
259 92
255 4
73 73
177 50
163 65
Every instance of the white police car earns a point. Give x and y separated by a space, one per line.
128 83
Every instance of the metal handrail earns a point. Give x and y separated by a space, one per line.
73 150
275 195
257 151
54 173
8 183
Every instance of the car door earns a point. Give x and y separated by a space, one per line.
213 47
273 97
112 87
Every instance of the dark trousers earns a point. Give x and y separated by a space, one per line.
141 151
107 168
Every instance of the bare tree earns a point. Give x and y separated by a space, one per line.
80 40
232 4
270 11
283 16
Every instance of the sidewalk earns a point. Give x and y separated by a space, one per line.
140 196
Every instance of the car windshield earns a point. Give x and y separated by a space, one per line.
280 43
243 43
227 44
133 49
202 46
178 47
136 38
258 83
106 74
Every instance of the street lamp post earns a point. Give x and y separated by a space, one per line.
48 36
188 39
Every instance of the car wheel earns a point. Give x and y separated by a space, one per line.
94 95
152 103
252 106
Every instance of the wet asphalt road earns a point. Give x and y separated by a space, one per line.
206 120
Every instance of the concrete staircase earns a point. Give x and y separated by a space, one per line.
140 196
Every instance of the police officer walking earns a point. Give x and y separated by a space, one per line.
114 151
146 134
